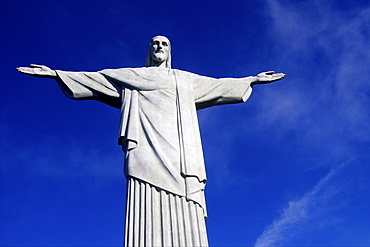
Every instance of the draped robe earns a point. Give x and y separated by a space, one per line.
159 130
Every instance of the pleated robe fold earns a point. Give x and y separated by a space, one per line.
159 218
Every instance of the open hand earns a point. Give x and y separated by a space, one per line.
267 77
38 70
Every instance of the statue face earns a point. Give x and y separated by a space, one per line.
159 49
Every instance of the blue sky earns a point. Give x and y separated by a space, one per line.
290 167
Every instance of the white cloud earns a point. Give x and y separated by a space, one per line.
318 209
329 108
330 104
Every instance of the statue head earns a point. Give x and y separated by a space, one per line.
159 52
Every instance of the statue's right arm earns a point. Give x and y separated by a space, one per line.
80 85
38 71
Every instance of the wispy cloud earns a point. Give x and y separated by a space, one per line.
328 108
318 209
313 34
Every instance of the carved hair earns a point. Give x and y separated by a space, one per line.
149 61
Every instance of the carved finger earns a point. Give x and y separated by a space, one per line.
281 75
24 69
36 66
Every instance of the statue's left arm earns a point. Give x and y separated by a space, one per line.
211 91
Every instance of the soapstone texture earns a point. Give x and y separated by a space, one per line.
159 134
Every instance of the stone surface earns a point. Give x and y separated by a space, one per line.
159 134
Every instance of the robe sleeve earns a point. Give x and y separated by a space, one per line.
90 86
211 91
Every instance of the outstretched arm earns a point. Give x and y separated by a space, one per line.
210 91
79 85
38 71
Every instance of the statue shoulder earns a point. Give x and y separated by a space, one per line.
120 71
185 74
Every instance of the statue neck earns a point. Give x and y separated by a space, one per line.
158 64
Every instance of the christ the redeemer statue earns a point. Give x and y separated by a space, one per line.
160 137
